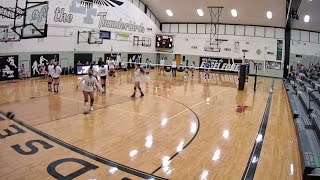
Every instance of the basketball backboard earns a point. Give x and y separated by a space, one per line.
35 23
95 38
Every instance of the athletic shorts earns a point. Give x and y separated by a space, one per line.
87 91
103 77
56 78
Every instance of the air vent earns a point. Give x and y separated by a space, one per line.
227 49
194 47
247 43
299 55
270 53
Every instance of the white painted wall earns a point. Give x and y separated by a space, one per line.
62 36
304 48
183 44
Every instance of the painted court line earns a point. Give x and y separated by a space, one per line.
201 102
111 108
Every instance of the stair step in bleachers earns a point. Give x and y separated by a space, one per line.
316 97
308 154
302 113
314 175
293 106
316 125
307 130
308 80
314 77
304 99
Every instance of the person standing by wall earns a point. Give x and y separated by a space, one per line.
174 68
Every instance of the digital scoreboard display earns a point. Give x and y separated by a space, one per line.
163 41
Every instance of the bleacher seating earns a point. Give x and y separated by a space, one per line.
307 129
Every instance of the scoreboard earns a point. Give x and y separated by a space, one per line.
163 41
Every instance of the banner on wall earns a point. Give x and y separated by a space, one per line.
105 35
122 36
221 64
273 65
41 59
134 58
279 49
9 67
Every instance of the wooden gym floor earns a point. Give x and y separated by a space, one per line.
179 130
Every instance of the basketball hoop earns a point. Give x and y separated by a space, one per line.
214 44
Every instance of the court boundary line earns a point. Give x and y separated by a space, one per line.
109 107
87 154
251 167
76 114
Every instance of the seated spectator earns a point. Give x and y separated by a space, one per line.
302 72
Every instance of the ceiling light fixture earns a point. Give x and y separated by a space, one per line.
169 12
234 13
269 14
306 18
200 12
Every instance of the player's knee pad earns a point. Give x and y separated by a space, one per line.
49 83
91 100
85 100
135 88
140 88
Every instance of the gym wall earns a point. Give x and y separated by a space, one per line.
304 48
67 17
260 42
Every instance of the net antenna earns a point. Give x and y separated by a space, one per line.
214 44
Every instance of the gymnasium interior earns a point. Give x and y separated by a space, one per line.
227 89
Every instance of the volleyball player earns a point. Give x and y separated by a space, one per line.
111 67
186 70
138 72
174 68
89 82
56 76
50 72
207 71
161 67
103 72
192 67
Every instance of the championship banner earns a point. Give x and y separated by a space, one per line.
221 64
9 67
38 59
279 49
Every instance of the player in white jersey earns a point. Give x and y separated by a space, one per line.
161 67
192 67
89 82
138 72
112 67
103 73
56 75
50 72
